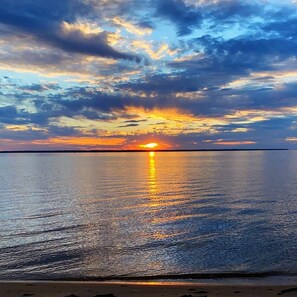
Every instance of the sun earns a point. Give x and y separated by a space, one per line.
151 145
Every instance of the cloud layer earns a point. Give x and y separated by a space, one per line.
117 74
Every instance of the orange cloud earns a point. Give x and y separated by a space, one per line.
222 142
82 141
291 139
131 27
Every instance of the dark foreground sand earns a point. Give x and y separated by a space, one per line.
149 289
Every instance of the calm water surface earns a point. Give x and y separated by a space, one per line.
136 214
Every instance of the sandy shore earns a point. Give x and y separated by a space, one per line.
149 289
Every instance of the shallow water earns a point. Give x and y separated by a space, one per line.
85 215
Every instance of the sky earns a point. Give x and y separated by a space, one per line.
117 74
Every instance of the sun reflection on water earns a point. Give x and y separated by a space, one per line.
152 174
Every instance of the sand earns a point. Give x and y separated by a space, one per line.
148 289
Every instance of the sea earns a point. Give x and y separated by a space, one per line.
134 215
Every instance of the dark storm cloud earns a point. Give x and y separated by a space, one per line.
43 20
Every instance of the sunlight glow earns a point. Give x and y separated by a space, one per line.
149 145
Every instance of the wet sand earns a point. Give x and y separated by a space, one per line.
148 289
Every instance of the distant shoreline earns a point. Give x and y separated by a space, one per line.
140 151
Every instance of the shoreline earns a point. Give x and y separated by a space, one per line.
138 289
221 279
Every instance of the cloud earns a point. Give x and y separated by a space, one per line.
285 27
135 121
129 125
220 73
234 142
291 139
9 115
188 16
40 87
45 23
131 27
185 17
80 142
147 47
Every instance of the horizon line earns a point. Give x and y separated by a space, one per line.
141 151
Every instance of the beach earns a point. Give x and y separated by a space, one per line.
134 289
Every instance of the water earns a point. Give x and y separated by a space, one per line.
91 215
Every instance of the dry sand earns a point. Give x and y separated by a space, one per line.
148 289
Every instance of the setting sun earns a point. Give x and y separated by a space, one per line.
149 145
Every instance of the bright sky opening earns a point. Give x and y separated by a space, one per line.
149 145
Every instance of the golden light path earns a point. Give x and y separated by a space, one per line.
149 145
152 174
